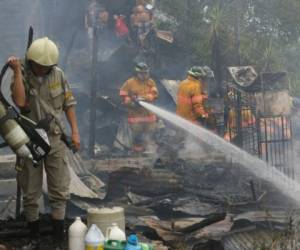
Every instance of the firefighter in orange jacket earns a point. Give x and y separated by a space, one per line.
141 121
190 96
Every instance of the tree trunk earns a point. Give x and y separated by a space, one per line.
217 61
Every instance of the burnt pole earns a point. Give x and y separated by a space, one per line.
93 93
237 31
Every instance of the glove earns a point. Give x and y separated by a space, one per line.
141 99
137 99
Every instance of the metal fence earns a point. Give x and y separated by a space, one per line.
269 137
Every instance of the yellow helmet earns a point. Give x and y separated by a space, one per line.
43 51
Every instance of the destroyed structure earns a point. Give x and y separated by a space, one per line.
185 196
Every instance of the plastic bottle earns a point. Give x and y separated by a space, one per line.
114 245
94 239
146 246
133 243
77 233
115 233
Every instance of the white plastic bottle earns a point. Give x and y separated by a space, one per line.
115 233
94 239
77 233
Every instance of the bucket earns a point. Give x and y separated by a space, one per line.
104 217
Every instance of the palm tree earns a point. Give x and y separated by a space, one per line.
220 37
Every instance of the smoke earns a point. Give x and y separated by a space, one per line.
296 144
48 18
192 149
55 19
64 23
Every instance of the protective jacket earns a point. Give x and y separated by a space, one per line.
135 88
247 121
190 99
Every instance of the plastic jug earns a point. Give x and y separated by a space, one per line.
94 239
133 243
114 245
146 246
76 234
115 233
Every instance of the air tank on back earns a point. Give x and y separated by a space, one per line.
14 135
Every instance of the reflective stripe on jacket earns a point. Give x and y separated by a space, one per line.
135 88
190 99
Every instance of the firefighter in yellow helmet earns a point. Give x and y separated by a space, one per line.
37 79
141 121
191 97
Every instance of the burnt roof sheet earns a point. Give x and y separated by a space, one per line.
256 239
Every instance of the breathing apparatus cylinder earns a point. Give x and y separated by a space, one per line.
14 135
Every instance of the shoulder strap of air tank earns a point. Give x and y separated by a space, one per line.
41 104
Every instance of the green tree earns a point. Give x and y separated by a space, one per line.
269 33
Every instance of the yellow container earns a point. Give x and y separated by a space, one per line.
93 247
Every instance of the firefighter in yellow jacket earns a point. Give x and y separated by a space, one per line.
190 96
141 121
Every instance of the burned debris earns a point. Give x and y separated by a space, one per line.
220 174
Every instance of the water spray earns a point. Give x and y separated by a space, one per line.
256 166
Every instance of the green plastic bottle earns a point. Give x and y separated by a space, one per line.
146 246
114 245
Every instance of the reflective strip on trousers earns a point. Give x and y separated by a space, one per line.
151 118
123 93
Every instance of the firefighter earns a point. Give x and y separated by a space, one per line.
141 121
247 118
191 97
38 80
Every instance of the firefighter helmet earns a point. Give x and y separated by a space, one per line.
43 51
197 72
141 67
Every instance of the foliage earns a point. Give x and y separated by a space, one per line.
269 33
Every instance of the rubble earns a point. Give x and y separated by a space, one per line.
181 205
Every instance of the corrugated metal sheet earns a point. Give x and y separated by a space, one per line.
172 87
256 239
264 216
7 207
77 187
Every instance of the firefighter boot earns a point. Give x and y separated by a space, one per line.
34 235
58 234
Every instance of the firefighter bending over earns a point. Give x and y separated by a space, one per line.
38 80
190 97
141 121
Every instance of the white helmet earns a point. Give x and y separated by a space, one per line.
43 51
